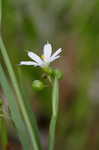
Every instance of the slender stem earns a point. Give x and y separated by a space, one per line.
53 123
50 80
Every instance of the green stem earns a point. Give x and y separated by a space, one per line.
53 123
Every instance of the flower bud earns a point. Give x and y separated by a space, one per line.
38 85
48 70
58 74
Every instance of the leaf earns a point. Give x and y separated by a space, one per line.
15 113
26 113
3 129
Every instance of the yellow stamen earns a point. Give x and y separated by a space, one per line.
43 57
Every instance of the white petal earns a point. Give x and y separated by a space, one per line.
54 58
28 63
35 57
57 52
47 50
43 65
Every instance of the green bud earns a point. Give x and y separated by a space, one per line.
48 70
57 73
38 85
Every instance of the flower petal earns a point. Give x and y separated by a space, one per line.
57 52
47 50
28 63
35 57
54 58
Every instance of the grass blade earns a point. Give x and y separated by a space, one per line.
26 113
31 127
15 113
3 129
55 105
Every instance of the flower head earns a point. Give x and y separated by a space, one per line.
45 59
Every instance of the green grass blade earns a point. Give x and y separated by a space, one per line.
3 134
55 105
30 124
0 11
15 113
29 120
3 129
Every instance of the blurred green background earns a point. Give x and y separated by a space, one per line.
74 26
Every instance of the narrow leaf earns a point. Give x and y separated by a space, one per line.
31 128
3 129
15 113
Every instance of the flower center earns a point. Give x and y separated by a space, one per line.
43 57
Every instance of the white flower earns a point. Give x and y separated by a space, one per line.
45 59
